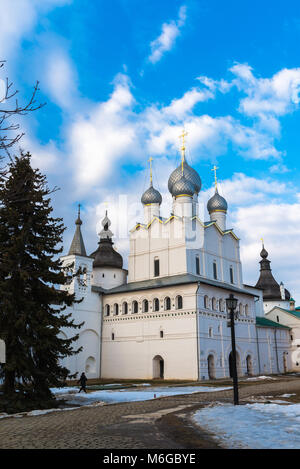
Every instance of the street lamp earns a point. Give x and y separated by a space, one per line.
231 304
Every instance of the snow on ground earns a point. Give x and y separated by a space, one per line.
255 426
130 395
95 398
255 378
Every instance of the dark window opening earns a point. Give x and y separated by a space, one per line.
197 266
156 304
161 334
215 271
231 275
156 267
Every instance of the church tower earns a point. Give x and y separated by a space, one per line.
151 200
108 269
77 261
273 293
217 206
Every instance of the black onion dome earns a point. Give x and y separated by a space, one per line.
190 174
151 196
266 281
217 203
106 256
183 187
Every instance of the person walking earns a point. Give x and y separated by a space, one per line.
82 380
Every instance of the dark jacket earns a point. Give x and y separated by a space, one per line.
82 380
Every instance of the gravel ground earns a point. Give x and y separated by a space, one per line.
163 423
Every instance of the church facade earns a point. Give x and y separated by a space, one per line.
166 316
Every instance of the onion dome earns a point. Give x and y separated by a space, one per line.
183 187
190 174
267 283
106 256
151 196
217 203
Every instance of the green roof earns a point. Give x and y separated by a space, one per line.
295 312
264 322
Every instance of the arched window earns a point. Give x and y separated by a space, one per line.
156 304
107 310
241 309
116 309
179 302
167 303
145 306
206 302
210 332
135 307
214 304
125 307
247 310
221 306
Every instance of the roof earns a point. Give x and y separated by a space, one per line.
271 289
173 281
264 322
77 246
295 312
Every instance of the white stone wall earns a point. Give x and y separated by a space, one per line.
136 339
289 320
215 335
108 277
273 350
88 311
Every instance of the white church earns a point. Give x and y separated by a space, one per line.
166 318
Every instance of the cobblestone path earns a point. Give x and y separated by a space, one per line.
162 423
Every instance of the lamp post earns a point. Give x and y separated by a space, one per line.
231 304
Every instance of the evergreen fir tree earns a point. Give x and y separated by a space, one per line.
31 305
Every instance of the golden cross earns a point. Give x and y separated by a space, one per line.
183 135
150 161
215 171
262 240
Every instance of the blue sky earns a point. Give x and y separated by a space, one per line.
122 78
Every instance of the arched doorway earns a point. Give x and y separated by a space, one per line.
158 367
211 366
238 364
249 365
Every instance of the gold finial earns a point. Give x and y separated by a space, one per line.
183 135
214 169
150 161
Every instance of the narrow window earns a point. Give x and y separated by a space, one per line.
135 307
167 303
215 270
145 306
112 336
107 310
156 267
206 302
210 332
116 309
161 334
197 265
231 275
125 308
277 318
179 302
156 304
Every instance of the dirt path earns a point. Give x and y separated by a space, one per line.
163 423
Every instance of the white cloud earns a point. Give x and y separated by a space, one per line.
60 79
166 40
18 18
